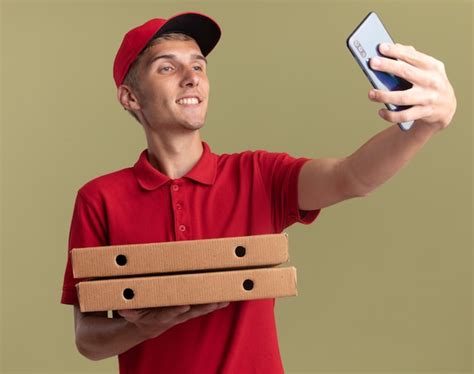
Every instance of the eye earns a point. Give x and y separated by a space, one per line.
166 68
198 67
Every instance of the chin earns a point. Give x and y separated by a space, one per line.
198 126
194 125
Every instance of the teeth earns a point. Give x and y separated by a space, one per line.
191 100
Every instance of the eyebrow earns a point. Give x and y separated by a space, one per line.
194 56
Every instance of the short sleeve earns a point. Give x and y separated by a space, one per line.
87 230
280 173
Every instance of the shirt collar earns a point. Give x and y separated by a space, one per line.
203 172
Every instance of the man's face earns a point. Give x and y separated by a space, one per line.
170 71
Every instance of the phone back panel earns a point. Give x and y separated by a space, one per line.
363 44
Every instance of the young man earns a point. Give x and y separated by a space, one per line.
179 190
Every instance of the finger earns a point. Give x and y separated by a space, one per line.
400 69
197 311
412 96
168 313
202 309
130 315
411 114
408 54
125 312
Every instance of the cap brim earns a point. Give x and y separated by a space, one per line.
203 29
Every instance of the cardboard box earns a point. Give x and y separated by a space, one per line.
180 256
186 289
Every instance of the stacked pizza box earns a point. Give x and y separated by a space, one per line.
183 272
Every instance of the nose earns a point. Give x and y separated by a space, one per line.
190 78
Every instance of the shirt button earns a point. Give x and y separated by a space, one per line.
182 228
174 187
179 206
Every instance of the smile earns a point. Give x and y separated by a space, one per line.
188 101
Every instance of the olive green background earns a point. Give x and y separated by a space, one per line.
385 281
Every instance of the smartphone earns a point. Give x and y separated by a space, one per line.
363 44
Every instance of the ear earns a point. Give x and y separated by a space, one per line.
127 98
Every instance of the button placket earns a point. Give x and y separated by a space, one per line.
181 228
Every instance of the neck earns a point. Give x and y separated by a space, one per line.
174 156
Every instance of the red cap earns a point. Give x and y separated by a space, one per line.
200 27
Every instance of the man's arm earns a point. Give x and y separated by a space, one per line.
323 182
99 337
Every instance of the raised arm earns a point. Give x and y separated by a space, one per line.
323 182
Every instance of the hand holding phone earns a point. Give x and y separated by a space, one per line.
363 44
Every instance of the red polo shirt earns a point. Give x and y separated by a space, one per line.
248 193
